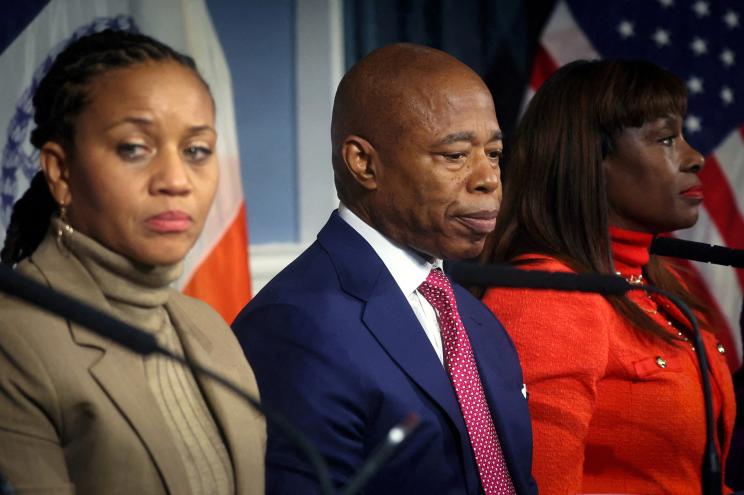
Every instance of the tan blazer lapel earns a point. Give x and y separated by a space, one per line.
241 426
119 372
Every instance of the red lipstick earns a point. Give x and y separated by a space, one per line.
173 221
694 192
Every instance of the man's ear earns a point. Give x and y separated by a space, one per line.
54 162
360 158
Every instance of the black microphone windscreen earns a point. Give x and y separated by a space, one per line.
698 251
467 273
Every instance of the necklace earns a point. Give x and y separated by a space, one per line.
632 279
654 310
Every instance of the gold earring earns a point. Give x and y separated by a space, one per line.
64 228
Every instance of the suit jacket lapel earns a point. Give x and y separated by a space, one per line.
389 317
505 402
118 371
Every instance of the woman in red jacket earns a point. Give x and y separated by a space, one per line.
599 166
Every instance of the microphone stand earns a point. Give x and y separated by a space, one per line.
145 344
381 454
712 482
503 275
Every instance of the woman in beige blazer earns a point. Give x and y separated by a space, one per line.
126 139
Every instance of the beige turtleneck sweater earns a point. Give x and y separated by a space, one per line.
137 295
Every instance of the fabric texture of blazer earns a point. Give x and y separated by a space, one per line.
76 413
337 348
612 411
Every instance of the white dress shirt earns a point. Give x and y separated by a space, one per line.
409 271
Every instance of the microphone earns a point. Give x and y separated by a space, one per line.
698 251
144 343
395 437
504 275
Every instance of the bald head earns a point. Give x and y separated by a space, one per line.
387 92
415 149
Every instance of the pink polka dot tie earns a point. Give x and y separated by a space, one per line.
458 356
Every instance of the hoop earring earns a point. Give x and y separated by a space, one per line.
64 228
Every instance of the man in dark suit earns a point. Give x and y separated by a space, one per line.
363 328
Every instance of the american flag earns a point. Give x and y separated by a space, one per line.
703 43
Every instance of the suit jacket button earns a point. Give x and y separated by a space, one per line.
661 362
720 348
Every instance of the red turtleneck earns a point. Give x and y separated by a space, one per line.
613 409
629 250
630 254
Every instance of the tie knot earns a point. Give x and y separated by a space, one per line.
436 277
437 290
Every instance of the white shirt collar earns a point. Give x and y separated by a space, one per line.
408 269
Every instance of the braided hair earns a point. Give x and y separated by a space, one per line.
60 98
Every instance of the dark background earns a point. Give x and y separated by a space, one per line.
497 38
